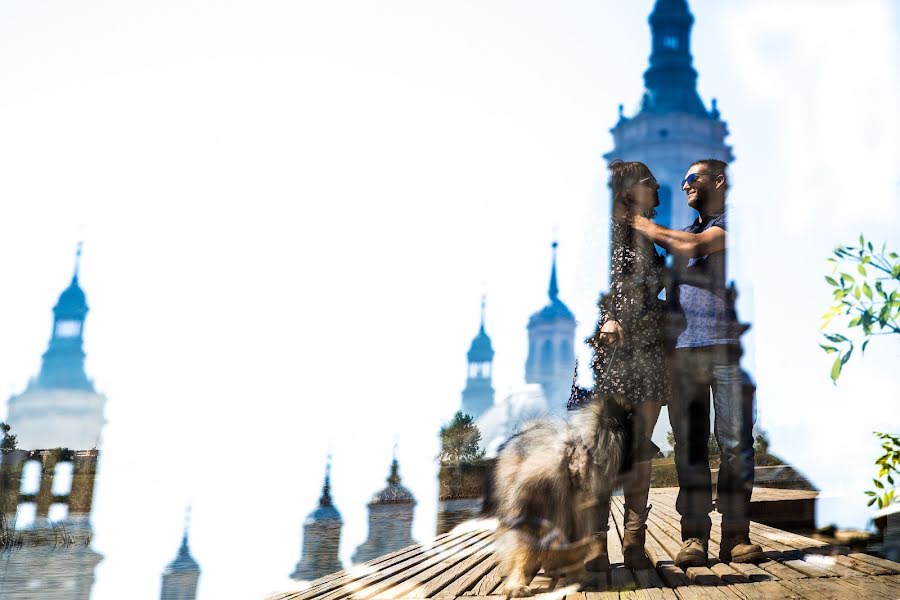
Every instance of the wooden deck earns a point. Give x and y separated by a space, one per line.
461 564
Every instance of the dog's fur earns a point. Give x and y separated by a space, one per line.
546 484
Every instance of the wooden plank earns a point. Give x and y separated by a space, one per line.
703 592
446 571
471 577
863 587
753 573
765 590
383 579
486 584
601 595
838 588
874 560
353 575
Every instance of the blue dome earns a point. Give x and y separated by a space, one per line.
481 349
72 302
555 311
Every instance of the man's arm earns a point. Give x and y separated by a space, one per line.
681 243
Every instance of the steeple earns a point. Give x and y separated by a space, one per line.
553 291
671 81
478 395
62 364
551 338
390 519
325 500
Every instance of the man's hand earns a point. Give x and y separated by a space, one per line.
612 333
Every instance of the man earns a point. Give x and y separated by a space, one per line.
706 357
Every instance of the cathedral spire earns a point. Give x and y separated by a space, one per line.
553 291
325 500
481 328
671 81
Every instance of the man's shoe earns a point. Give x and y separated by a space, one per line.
740 550
600 562
693 553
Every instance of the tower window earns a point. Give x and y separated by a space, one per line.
547 356
31 477
670 42
68 328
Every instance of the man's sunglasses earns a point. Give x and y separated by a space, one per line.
690 179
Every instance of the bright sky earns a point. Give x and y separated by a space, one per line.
291 209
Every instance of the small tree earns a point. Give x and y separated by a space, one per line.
888 464
460 440
867 301
8 444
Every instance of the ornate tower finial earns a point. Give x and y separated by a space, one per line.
325 500
481 329
77 260
714 113
554 288
394 477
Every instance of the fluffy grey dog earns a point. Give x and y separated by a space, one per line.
546 484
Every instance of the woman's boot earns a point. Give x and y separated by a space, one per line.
600 562
634 539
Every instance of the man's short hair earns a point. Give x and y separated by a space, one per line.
715 167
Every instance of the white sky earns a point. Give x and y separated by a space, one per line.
290 210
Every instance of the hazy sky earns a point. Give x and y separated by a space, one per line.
291 209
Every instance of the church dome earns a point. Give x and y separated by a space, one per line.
394 493
481 349
72 302
184 562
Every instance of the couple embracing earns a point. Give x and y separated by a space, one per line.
678 352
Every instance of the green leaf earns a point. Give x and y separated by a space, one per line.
894 255
848 276
871 249
846 357
870 493
831 281
828 349
872 501
862 241
867 290
862 269
878 484
836 369
890 480
865 343
854 321
837 338
856 292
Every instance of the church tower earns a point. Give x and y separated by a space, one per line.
672 128
321 538
60 407
551 354
390 519
478 395
179 580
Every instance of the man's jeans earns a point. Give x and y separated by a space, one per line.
694 372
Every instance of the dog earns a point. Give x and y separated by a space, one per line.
545 486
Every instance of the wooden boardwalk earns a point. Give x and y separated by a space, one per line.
462 564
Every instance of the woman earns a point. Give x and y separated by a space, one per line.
629 354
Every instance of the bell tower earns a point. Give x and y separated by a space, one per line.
478 395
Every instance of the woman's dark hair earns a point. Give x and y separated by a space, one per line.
623 175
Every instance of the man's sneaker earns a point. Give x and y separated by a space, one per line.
692 554
740 550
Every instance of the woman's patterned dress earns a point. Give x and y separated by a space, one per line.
637 368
